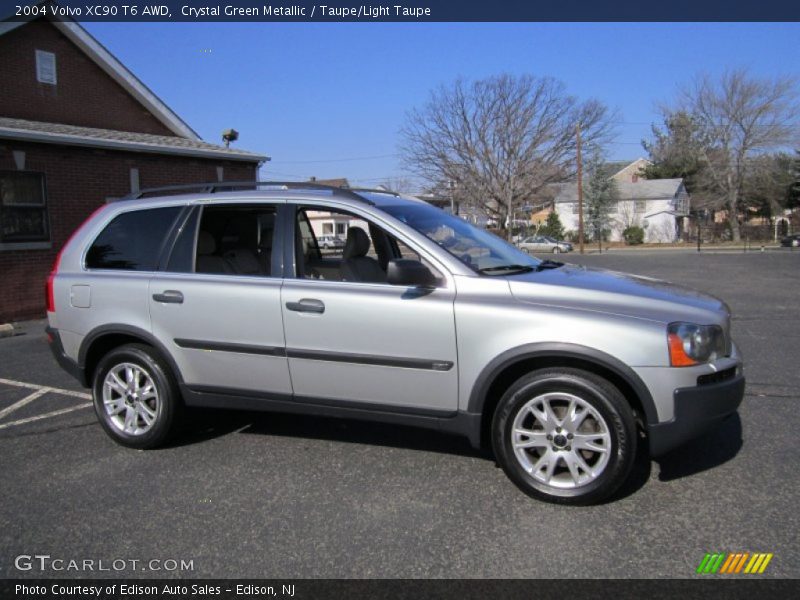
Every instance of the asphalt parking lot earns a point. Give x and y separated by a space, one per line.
262 495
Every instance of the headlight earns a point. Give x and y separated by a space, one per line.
691 344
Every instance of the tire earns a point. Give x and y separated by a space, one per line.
538 465
556 250
143 381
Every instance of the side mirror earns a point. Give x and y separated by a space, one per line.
403 271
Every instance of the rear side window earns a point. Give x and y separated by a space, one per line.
133 240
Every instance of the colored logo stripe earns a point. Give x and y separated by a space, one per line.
724 563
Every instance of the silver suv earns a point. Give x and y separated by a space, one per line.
224 299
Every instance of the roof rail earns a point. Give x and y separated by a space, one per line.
374 191
213 187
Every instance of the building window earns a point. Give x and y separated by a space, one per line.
23 207
341 229
640 206
45 67
327 228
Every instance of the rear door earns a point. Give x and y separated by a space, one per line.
216 302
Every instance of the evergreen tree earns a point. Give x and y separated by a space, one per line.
600 196
552 227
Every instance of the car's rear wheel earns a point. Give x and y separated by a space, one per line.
565 435
135 396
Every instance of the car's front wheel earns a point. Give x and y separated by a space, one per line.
556 250
135 396
565 435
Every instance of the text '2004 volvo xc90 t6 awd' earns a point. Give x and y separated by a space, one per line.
224 299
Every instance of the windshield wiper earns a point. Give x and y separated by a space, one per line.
520 268
545 264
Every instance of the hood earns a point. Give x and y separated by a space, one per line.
586 288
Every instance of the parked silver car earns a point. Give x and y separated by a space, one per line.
544 243
225 300
330 242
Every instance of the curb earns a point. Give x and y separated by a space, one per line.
6 330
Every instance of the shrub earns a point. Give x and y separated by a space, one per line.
633 235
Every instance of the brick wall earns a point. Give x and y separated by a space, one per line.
78 180
84 94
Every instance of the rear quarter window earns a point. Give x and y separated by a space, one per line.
133 240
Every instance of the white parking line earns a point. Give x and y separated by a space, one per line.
41 390
55 413
33 386
26 400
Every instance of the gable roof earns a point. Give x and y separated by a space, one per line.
72 135
644 189
622 166
649 189
100 55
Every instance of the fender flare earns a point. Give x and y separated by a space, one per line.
480 390
120 329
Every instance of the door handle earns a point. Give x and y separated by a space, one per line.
169 297
308 305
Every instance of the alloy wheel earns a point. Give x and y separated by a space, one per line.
561 440
130 398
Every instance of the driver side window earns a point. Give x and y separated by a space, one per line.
359 251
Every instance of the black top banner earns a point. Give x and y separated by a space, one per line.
403 10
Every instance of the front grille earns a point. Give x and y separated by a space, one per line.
717 377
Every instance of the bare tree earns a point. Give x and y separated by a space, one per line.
403 185
498 142
626 216
738 117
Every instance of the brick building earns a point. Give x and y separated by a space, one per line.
78 129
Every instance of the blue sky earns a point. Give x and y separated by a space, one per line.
316 96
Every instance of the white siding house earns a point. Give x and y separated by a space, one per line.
659 206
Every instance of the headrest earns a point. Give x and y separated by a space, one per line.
243 261
357 243
205 244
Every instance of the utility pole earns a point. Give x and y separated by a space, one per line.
450 186
580 187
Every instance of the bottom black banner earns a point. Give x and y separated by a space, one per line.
388 589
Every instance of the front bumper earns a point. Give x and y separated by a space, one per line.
66 363
696 410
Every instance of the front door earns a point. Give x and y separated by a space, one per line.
367 344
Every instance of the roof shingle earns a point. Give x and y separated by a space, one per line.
59 133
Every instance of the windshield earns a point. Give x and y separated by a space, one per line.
480 250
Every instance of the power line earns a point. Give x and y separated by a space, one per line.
334 160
